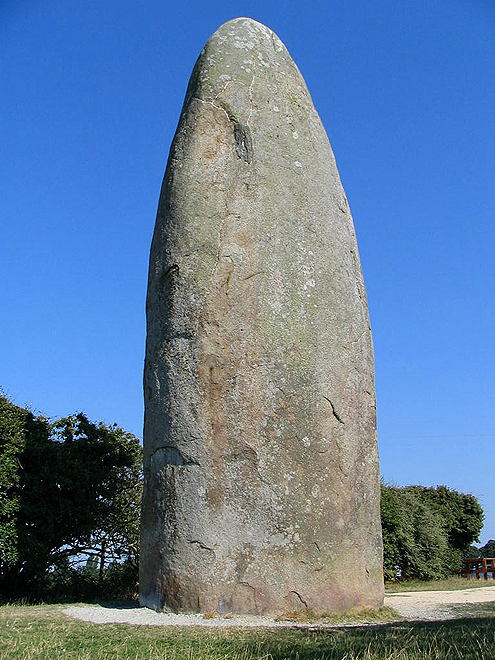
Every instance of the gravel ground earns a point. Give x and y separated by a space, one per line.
142 616
435 605
413 605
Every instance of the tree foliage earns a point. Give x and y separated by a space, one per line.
461 514
13 421
488 550
427 531
71 490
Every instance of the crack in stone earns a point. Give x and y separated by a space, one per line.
222 90
259 272
251 96
300 597
243 146
343 206
243 142
218 107
200 544
242 134
360 293
334 412
365 332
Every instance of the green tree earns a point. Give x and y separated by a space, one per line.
488 550
15 425
424 543
109 469
391 531
427 531
461 513
74 492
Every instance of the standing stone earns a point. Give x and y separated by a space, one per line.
261 465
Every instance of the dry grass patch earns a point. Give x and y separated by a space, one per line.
210 615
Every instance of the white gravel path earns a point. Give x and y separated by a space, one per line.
142 616
434 605
413 605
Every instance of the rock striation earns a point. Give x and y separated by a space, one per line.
261 466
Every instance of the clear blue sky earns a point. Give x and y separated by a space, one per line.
90 97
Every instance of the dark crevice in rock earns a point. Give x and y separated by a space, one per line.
173 456
343 205
246 584
173 270
200 545
259 272
300 598
243 142
334 412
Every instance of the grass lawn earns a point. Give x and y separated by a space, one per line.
28 632
448 584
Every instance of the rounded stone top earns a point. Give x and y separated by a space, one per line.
243 24
245 53
245 34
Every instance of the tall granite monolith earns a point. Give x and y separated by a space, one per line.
261 467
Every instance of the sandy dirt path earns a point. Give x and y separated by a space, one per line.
413 605
432 605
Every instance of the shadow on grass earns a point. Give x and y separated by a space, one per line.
119 605
461 639
44 632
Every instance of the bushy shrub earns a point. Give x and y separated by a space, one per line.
117 583
70 490
426 531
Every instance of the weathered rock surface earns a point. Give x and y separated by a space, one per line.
261 464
